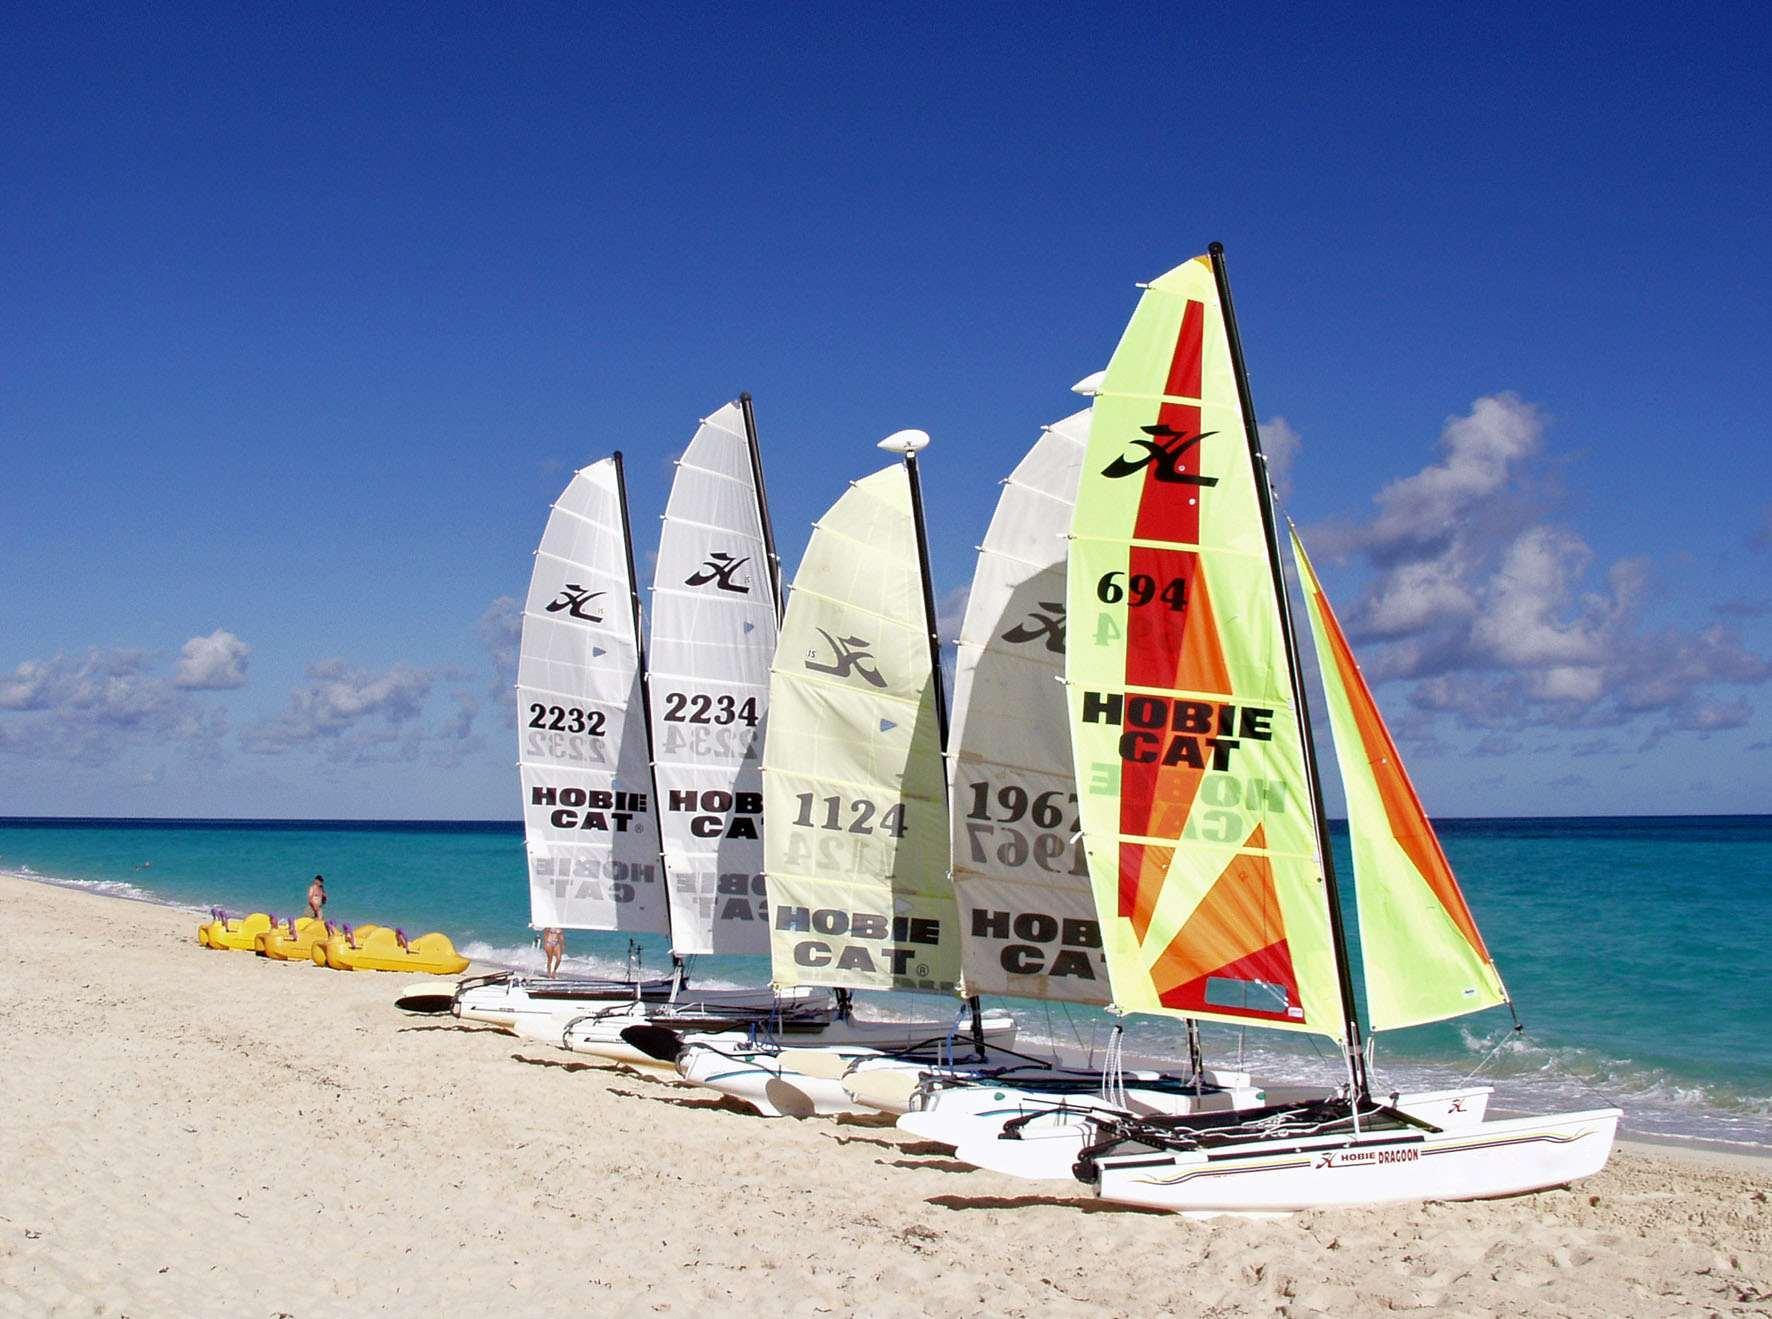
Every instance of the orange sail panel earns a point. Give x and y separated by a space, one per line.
1424 957
1194 804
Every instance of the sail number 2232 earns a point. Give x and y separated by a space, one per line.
566 719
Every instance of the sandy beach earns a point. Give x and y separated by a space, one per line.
193 1133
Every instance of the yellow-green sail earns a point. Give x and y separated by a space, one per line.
1195 806
853 787
1423 955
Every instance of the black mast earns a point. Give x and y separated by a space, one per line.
1265 498
774 565
844 998
627 537
941 701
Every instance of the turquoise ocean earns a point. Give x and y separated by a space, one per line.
1638 950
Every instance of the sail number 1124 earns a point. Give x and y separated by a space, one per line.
848 815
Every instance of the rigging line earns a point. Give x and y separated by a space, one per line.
1507 1037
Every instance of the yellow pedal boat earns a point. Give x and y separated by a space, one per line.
390 950
341 937
293 940
235 932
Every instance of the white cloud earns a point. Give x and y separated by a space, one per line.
96 703
212 663
364 716
950 613
501 632
1281 443
1714 716
1480 453
1491 612
340 700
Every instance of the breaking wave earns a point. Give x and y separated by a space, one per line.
110 888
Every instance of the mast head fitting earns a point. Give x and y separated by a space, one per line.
906 442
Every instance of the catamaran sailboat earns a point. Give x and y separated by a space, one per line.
715 616
605 852
1202 820
1028 922
856 796
1028 926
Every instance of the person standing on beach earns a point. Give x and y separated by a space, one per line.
317 896
553 947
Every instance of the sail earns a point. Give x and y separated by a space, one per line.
1027 914
853 782
589 822
1196 810
1423 955
713 635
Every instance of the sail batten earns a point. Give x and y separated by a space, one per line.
1028 920
1195 802
589 815
714 628
1423 956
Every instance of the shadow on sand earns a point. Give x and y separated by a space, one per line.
724 1104
931 1165
1076 1204
925 1147
565 1065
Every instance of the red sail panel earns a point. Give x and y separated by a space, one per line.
1173 643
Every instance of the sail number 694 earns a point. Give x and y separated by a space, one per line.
1138 589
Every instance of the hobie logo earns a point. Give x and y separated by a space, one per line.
850 656
1165 449
1366 1158
1043 624
719 570
576 600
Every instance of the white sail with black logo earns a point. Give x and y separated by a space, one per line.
713 632
853 778
589 820
1028 924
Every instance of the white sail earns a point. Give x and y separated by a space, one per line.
589 821
1028 924
854 787
713 632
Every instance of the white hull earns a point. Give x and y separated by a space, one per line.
776 1088
596 1030
971 1119
509 1002
761 1080
1488 1159
971 1090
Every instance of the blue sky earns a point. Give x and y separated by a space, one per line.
306 314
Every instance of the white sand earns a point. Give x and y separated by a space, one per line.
189 1132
